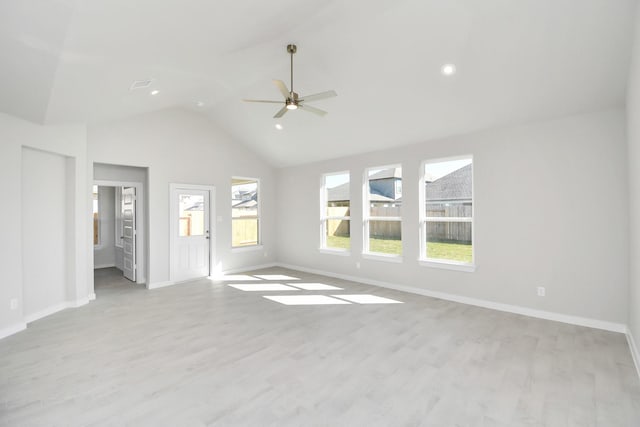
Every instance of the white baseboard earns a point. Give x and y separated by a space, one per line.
13 329
525 311
99 266
92 296
634 351
158 285
47 311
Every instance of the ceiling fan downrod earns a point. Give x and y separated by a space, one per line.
291 49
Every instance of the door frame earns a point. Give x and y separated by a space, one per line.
173 229
141 267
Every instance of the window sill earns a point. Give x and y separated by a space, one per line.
252 248
338 252
448 265
382 257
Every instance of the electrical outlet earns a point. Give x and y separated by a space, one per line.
357 265
13 304
541 291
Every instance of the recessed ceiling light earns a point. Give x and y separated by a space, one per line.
279 126
200 104
155 92
448 69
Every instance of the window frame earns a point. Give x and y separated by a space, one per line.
324 218
258 216
424 219
367 218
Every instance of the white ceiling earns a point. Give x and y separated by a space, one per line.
518 61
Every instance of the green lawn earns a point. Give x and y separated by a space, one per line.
438 250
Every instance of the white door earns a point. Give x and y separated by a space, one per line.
129 232
191 237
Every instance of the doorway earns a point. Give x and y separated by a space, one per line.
117 231
192 236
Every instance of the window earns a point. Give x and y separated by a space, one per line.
245 212
335 214
382 211
96 218
446 217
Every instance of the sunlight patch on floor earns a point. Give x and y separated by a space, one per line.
367 299
306 300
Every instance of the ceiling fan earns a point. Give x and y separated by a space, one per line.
292 101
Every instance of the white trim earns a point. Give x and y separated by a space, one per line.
380 256
525 311
141 267
247 248
92 296
366 209
13 329
99 266
339 252
634 351
258 216
173 188
324 218
423 218
447 265
47 311
158 285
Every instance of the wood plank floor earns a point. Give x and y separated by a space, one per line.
204 353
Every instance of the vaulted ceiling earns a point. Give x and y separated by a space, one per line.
66 61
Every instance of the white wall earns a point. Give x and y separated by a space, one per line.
633 120
178 146
44 231
104 254
550 210
68 141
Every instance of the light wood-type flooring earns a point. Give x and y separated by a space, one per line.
205 353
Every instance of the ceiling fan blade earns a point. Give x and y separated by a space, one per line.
319 96
262 100
282 88
314 110
281 112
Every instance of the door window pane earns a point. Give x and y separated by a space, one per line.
191 215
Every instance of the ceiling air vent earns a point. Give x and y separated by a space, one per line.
140 84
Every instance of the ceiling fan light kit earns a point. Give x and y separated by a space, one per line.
292 101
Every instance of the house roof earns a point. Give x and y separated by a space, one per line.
387 173
339 193
454 186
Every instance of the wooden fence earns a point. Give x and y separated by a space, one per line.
458 232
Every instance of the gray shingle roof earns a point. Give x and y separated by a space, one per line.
387 173
454 186
339 193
